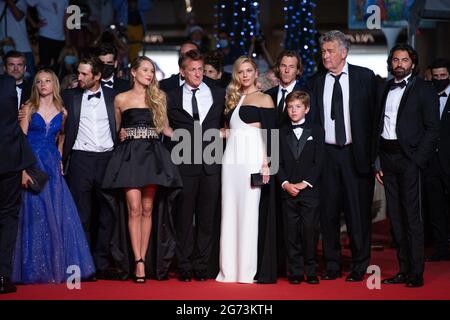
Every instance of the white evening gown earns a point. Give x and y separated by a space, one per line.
240 202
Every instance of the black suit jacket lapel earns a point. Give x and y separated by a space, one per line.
215 98
77 99
353 84
178 102
302 141
446 111
320 88
383 106
109 102
410 84
291 141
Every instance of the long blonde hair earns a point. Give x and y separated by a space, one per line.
33 102
234 89
155 98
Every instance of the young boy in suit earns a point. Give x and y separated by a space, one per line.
301 158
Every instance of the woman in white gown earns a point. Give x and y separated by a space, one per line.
247 243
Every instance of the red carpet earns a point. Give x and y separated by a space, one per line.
437 286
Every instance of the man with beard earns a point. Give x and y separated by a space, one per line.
437 173
408 128
90 136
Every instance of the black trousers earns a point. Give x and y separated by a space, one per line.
403 205
301 221
343 189
437 191
10 192
85 177
195 220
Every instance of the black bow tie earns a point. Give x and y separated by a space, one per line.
400 85
108 83
96 95
442 95
295 126
20 85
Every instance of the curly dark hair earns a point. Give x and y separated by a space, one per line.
412 55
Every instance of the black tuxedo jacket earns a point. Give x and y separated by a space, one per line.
444 139
170 83
273 93
301 159
15 152
26 92
362 104
417 126
72 101
180 119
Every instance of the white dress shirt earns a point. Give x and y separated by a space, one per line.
298 133
204 100
330 133
180 81
391 111
94 132
104 82
19 95
443 101
288 89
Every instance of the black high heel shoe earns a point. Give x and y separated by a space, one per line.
136 278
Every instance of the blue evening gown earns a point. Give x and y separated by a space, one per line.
50 236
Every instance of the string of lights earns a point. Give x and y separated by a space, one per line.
240 19
300 31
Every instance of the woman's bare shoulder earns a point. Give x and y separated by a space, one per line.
264 100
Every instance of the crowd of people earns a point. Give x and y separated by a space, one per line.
133 193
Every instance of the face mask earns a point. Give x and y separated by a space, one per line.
108 71
440 85
7 48
70 59
223 43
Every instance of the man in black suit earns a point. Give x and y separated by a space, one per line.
288 68
301 159
177 80
16 66
15 155
107 53
437 172
90 136
196 107
408 127
344 99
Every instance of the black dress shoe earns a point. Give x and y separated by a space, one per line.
201 275
185 277
399 278
6 286
312 279
296 279
414 281
331 275
354 277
